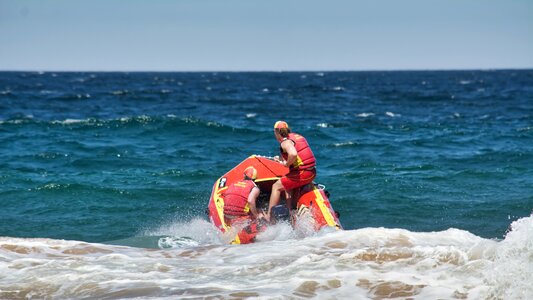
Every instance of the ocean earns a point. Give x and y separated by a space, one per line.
105 178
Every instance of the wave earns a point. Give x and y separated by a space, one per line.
168 120
356 264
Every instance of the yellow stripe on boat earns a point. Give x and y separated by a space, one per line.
219 203
266 179
236 241
324 209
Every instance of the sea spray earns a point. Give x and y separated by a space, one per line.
511 271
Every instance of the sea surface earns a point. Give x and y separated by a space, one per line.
105 178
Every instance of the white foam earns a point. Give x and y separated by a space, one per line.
251 115
392 115
198 230
119 92
349 143
279 232
514 260
355 264
176 242
365 115
73 121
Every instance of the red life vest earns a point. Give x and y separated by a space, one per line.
305 158
236 198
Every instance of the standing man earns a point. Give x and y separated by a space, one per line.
298 157
240 198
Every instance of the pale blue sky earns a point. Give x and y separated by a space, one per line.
278 35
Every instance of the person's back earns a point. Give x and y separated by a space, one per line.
305 159
240 198
236 198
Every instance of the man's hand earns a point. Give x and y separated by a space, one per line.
266 217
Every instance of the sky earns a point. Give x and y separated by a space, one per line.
267 35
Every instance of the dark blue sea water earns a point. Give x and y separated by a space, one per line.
101 157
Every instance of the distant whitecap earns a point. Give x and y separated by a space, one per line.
72 121
344 144
391 114
365 115
120 92
323 125
265 90
338 88
251 115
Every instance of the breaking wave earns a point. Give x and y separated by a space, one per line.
357 264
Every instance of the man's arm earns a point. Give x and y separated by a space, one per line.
288 146
252 201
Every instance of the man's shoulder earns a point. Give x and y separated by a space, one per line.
296 136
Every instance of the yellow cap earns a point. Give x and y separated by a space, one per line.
280 125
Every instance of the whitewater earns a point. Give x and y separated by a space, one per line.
367 263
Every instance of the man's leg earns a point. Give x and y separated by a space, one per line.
289 196
275 195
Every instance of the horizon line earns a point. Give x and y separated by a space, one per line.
266 70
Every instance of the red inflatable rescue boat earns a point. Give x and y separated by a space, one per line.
311 200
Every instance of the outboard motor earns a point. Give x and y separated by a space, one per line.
280 213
